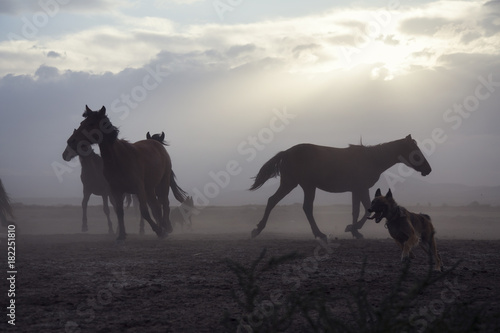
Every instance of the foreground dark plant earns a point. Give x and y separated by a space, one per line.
401 310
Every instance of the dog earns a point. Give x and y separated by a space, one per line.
408 229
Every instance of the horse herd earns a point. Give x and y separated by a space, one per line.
144 169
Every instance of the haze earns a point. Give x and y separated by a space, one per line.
233 83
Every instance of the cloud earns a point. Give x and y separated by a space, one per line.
490 17
15 7
423 25
46 73
53 54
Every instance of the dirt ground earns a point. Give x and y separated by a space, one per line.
67 281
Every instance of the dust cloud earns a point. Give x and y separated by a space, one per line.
471 222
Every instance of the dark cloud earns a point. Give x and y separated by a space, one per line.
490 17
53 54
470 37
423 25
46 73
343 40
390 40
305 47
237 50
15 7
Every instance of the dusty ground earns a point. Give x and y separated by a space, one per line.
67 281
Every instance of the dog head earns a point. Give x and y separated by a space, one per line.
381 206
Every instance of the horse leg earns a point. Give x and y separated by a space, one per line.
438 265
85 201
309 195
273 200
118 199
156 209
143 207
162 191
365 200
355 214
105 207
141 226
135 201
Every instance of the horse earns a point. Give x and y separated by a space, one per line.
93 181
143 168
5 207
353 169
161 139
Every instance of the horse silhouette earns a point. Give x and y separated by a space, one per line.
143 168
354 169
5 207
161 139
93 180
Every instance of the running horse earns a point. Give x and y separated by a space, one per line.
143 168
161 139
93 180
353 169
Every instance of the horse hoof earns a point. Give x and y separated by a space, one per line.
356 234
120 238
348 228
85 229
161 233
255 233
323 238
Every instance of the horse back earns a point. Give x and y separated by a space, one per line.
328 168
152 156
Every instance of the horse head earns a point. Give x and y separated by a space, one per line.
413 157
93 129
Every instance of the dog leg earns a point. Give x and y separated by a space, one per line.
437 258
408 245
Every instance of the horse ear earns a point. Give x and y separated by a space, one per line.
389 194
409 137
162 137
148 136
102 111
378 193
86 112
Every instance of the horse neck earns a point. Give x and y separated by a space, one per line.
110 151
91 164
87 159
385 155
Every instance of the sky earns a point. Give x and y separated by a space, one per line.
233 82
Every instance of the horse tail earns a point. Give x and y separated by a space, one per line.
270 169
178 192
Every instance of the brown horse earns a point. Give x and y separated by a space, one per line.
161 139
354 169
143 168
93 181
5 207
